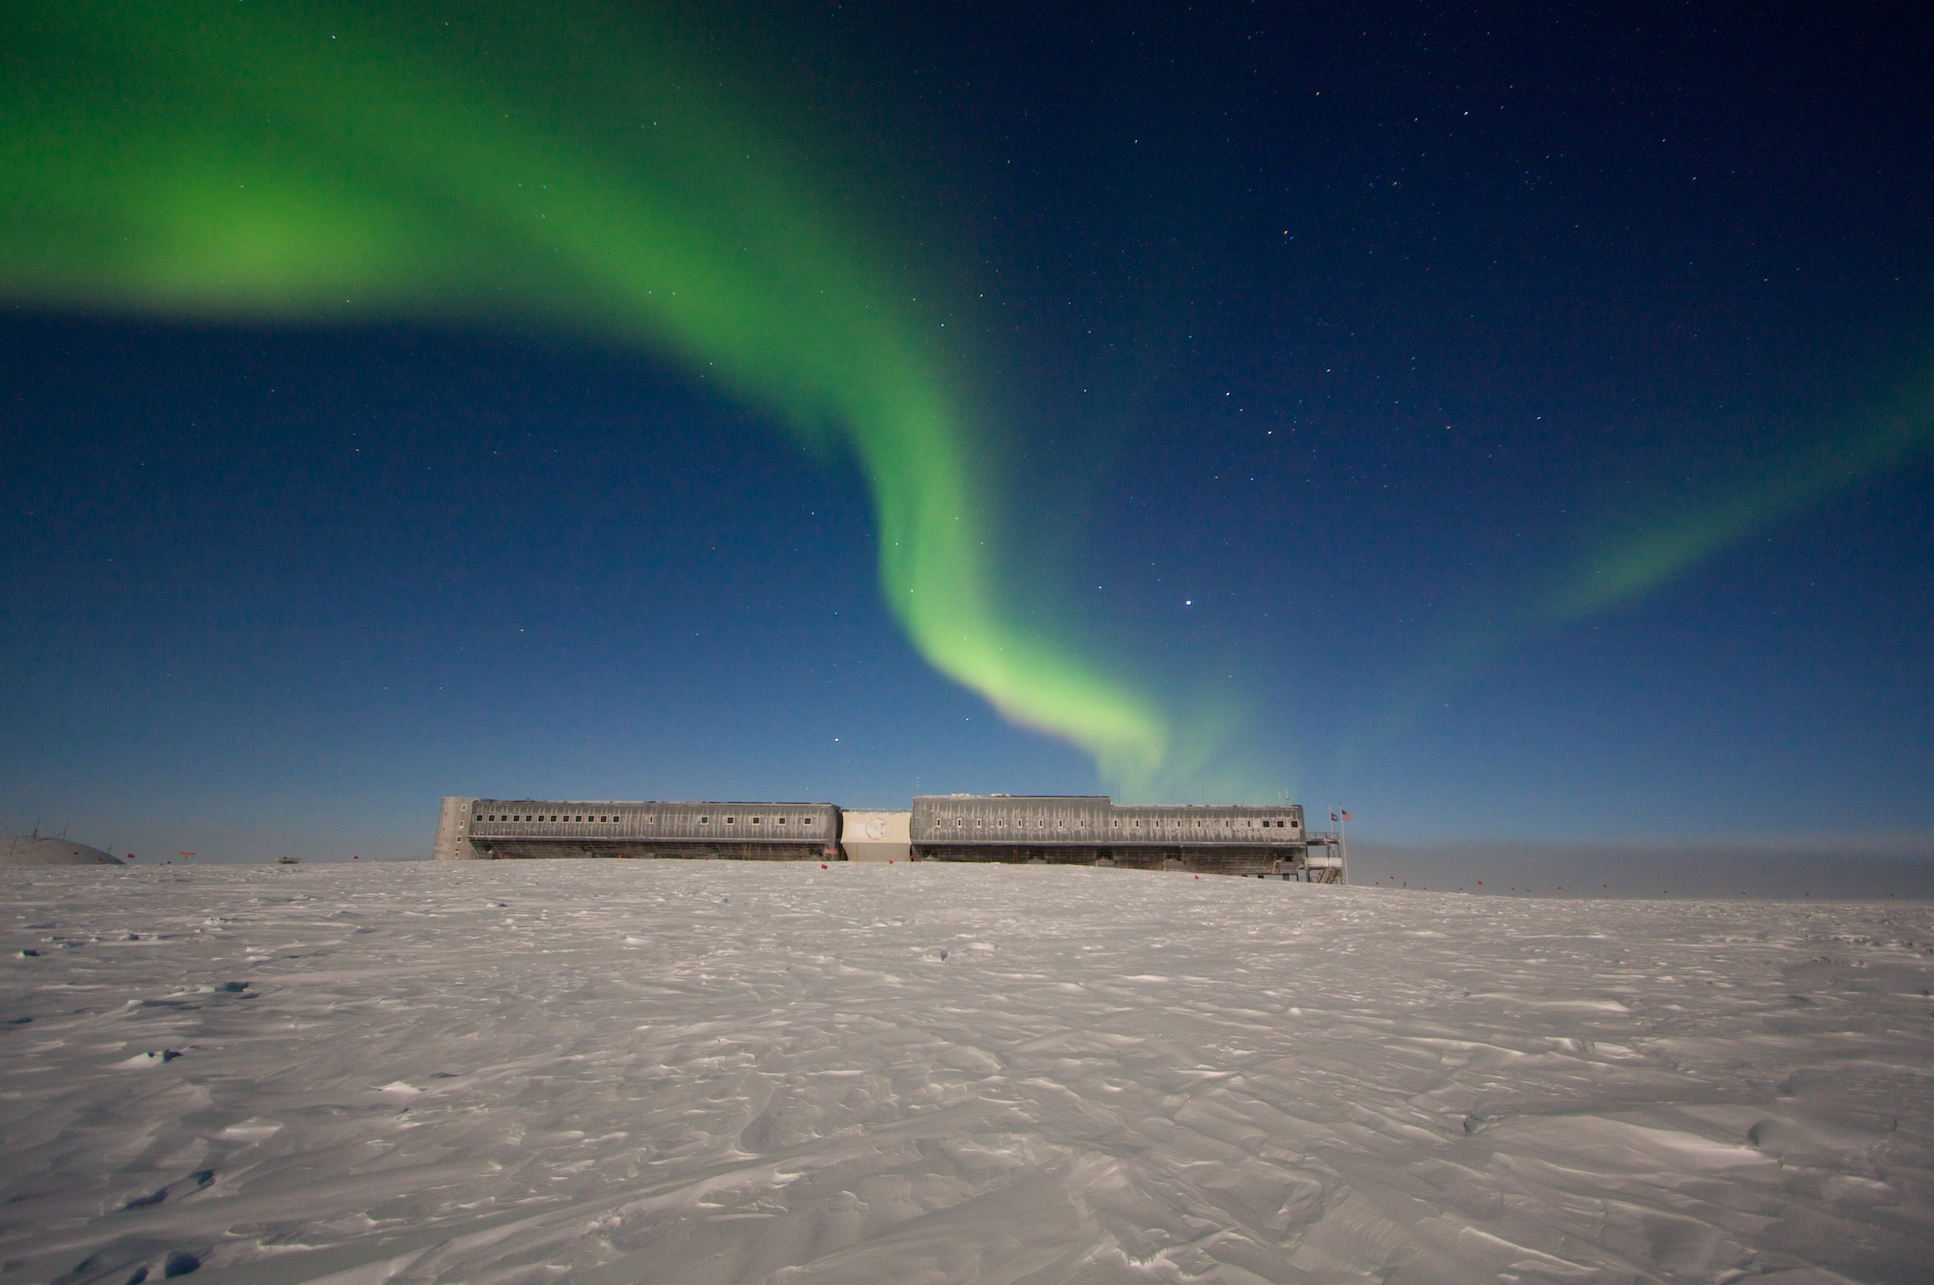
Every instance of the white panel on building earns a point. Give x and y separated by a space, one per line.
876 836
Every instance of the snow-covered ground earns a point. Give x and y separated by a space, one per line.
710 1072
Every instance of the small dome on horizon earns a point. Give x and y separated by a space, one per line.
29 850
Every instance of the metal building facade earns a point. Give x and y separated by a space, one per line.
516 828
1092 830
1046 829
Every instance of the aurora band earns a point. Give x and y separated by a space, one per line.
1639 551
251 160
1644 553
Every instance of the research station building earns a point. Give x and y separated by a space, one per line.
1088 830
1092 830
488 829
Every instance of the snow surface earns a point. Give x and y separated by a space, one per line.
710 1072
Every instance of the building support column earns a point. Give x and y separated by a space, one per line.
453 832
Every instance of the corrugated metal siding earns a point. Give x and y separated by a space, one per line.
731 823
1094 821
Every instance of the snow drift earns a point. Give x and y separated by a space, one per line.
712 1072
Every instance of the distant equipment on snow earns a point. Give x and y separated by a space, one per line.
1088 830
33 850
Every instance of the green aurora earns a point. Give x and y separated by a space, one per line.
1638 549
518 163
564 167
1669 539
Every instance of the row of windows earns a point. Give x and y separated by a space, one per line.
1157 823
494 817
607 819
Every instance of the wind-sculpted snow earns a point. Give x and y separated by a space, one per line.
711 1072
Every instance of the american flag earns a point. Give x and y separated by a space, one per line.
1346 816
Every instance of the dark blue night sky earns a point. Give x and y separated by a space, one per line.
1512 423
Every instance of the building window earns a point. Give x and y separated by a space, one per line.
705 820
731 820
755 820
